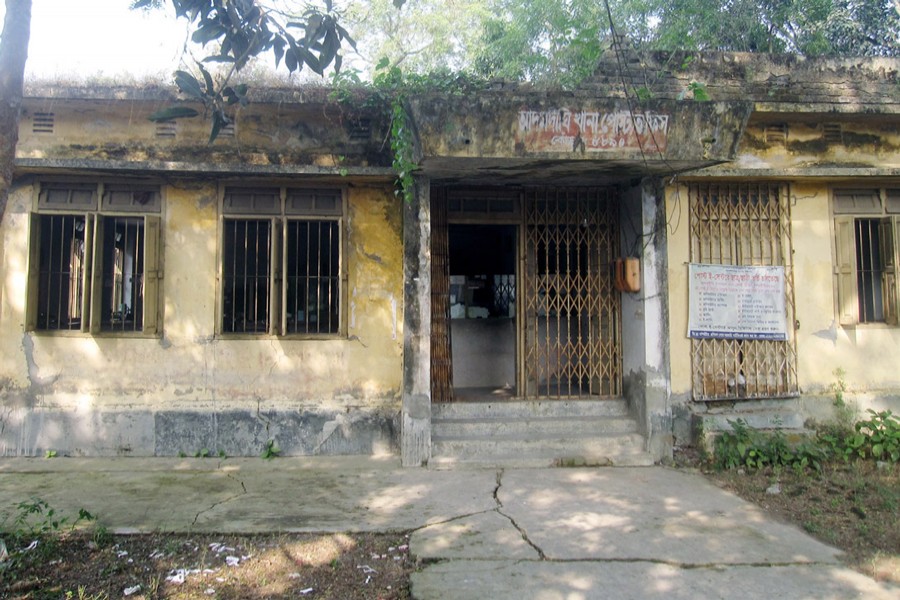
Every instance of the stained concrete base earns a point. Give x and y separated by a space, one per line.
572 534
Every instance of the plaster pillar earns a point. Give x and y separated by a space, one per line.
647 370
657 392
415 433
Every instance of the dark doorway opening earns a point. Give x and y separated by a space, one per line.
483 292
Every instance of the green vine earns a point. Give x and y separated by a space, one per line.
402 141
392 88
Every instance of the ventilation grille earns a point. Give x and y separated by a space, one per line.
227 131
166 129
360 130
776 133
833 132
42 122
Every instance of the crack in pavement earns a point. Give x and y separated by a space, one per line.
221 502
520 529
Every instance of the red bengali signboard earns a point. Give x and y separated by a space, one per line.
564 130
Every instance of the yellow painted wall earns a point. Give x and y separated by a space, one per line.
678 243
868 353
188 366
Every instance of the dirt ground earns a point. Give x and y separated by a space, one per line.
855 507
83 567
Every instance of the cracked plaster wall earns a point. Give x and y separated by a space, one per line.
866 353
188 388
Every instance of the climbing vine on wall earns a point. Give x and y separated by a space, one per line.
392 88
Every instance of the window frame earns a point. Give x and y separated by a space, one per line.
845 216
280 217
95 214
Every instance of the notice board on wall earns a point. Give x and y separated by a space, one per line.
736 302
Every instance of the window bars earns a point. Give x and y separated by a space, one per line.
743 224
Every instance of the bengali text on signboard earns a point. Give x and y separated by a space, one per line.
565 130
736 302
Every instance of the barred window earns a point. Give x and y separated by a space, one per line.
867 238
743 224
282 264
91 270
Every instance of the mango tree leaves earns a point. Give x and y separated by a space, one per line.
172 113
242 30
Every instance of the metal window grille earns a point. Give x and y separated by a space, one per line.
61 272
312 276
123 274
246 276
743 224
869 270
572 315
504 294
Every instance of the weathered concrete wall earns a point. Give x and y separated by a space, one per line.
190 389
275 131
864 155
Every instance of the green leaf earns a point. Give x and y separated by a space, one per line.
207 33
173 112
210 87
219 120
188 84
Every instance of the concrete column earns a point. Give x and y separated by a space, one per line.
415 433
645 325
656 310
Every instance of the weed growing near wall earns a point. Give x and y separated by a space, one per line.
877 438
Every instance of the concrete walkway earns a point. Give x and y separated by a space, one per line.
532 533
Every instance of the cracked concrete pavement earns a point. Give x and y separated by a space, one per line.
571 534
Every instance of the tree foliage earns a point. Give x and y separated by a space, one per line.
240 30
560 40
420 36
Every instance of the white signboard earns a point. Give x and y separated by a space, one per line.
736 302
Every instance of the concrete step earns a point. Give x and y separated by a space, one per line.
548 426
520 409
535 434
537 449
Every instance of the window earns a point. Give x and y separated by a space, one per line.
94 258
282 267
867 238
743 224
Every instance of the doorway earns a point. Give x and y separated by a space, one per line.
523 304
482 261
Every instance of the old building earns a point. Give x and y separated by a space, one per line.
545 297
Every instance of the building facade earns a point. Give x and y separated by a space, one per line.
538 299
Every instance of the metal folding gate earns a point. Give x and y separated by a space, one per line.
569 325
571 330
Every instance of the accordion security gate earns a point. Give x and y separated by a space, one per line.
571 329
569 324
743 224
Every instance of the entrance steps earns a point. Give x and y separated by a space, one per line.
535 434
